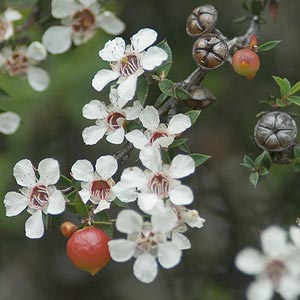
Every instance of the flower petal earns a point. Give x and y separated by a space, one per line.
24 173
93 134
181 241
143 39
182 166
34 226
57 39
134 178
113 50
64 8
106 166
14 203
88 3
289 287
133 112
37 51
116 137
12 15
115 99
145 268
260 290
38 79
82 170
163 219
295 235
103 204
124 193
129 221
57 203
137 138
168 254
9 122
151 158
250 261
150 118
110 23
181 195
147 201
49 171
85 195
127 88
94 110
179 123
121 250
153 58
102 78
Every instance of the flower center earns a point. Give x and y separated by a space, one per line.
100 190
83 20
156 135
39 197
115 120
147 240
160 185
129 64
275 271
3 29
17 63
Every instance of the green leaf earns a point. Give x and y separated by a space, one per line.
259 160
284 85
164 69
294 99
193 115
256 7
165 156
80 206
117 202
295 88
199 159
182 94
185 148
104 217
297 151
142 89
263 171
296 166
268 46
178 142
245 6
64 181
160 100
280 103
248 162
132 125
3 93
254 177
167 87
267 161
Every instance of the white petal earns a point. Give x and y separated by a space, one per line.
260 290
49 171
164 219
127 88
134 112
82 170
9 122
124 193
106 166
102 78
193 219
182 166
85 195
64 8
143 39
250 261
34 226
103 204
38 79
274 241
145 268
295 235
93 134
179 123
115 99
57 203
147 201
289 287
12 15
181 195
134 177
37 51
151 158
168 254
110 23
116 137
163 141
150 118
57 39
292 261
181 241
14 203
137 138
121 250
88 3
113 50
24 173
153 58
94 110
129 221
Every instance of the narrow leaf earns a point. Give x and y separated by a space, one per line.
294 99
164 69
185 148
283 84
254 178
167 87
199 159
295 88
193 115
80 206
178 142
160 100
248 162
182 94
268 46
142 89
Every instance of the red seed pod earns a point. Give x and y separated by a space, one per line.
67 229
88 250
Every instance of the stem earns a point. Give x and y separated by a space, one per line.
102 223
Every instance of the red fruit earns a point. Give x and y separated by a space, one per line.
88 250
67 229
246 62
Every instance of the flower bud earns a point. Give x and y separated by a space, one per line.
201 98
67 229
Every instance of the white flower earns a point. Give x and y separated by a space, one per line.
129 62
6 23
146 241
39 195
110 120
157 134
277 269
9 122
80 21
96 185
22 61
159 181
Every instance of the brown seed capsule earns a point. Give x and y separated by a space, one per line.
210 51
201 20
275 131
201 98
67 229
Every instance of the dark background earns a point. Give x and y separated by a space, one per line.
234 210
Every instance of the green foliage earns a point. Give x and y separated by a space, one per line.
142 89
256 7
80 207
178 142
164 69
193 115
167 87
199 158
268 46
